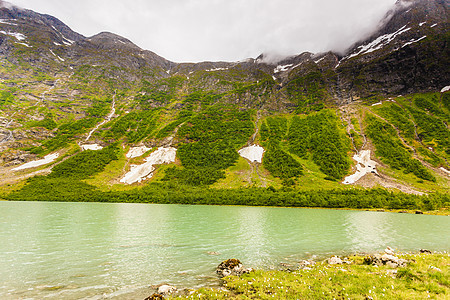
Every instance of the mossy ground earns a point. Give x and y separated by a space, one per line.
426 276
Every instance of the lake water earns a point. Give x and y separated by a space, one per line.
94 250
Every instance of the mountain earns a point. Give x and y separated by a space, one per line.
319 117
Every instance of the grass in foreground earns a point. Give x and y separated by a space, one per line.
426 276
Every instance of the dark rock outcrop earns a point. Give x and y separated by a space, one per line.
231 267
385 259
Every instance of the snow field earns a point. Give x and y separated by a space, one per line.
137 151
93 147
32 164
365 165
138 173
252 153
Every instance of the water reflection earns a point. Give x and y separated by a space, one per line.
253 238
369 231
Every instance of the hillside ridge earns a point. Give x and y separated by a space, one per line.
319 118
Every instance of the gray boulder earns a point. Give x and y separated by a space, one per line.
231 267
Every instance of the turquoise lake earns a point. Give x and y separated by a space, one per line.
95 250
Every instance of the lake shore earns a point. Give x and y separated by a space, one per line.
439 212
423 275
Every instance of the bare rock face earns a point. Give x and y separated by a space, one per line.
155 297
231 267
13 158
385 259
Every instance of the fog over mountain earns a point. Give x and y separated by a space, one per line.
230 30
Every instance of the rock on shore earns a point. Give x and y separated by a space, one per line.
231 267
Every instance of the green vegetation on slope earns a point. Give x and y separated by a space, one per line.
214 136
85 164
277 161
65 134
317 134
432 131
135 126
391 150
47 123
327 144
280 163
308 92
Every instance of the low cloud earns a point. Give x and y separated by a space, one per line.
229 30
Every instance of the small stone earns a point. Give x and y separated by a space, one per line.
436 269
166 289
389 250
335 260
155 297
231 267
387 257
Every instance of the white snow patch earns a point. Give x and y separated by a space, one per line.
297 65
252 153
216 69
378 103
24 44
5 21
32 164
445 170
140 172
137 151
68 41
420 24
365 165
274 78
18 36
433 25
414 41
93 147
61 59
379 43
57 44
282 68
445 89
319 60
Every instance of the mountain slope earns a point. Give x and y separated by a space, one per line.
61 92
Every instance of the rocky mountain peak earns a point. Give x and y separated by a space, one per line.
7 5
42 22
107 40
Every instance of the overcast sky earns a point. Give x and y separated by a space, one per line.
229 30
